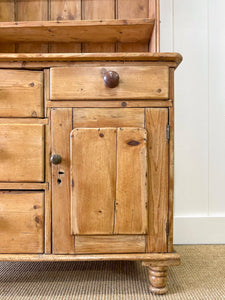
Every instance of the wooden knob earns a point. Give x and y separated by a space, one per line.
111 79
56 159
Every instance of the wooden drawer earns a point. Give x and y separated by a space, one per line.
21 93
22 152
87 83
21 222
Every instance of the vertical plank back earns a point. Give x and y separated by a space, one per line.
64 10
132 9
31 11
98 9
7 12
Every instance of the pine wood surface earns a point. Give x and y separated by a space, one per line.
61 126
155 259
88 83
108 117
110 244
131 182
21 93
93 163
143 56
156 121
22 221
43 11
124 31
22 152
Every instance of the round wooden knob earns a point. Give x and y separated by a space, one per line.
56 159
111 79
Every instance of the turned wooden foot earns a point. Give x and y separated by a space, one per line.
158 280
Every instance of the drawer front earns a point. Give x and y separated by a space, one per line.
22 152
90 83
21 222
21 93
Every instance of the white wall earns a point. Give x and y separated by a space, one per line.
196 29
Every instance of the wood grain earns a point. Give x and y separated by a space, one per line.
128 9
21 93
48 174
156 122
160 58
16 141
131 182
22 222
108 117
171 164
93 162
139 82
61 126
7 14
31 11
111 104
157 259
133 30
60 11
154 13
110 244
98 9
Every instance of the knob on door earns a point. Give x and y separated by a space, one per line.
56 159
111 79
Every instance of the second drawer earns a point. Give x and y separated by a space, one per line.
22 152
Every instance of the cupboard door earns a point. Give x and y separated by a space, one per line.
109 190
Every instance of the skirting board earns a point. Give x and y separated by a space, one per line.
199 230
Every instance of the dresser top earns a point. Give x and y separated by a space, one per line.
174 58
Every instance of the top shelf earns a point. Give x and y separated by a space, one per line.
123 31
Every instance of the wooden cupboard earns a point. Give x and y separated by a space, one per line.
86 128
89 175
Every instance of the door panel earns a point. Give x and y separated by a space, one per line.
93 163
131 187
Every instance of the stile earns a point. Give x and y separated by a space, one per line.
61 126
156 123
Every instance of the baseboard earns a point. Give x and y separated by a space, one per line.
199 230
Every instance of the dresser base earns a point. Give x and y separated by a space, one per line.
157 263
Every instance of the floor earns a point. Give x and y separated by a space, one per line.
201 275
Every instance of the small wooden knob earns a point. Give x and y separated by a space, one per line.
56 159
111 79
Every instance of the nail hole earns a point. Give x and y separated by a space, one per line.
101 135
59 181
